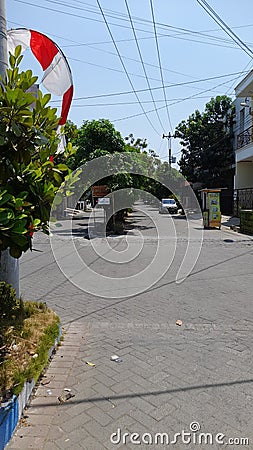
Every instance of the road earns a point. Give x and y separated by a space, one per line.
197 376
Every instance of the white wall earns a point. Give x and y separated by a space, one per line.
244 175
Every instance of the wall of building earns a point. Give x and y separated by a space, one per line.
244 175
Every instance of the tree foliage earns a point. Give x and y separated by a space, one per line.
30 174
96 138
207 143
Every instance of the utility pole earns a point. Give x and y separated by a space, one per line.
169 136
9 266
3 40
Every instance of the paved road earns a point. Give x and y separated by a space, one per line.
171 378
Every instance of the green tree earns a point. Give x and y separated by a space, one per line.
207 143
30 174
137 145
96 138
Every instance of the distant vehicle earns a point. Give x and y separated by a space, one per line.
168 205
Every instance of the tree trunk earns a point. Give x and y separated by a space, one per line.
9 270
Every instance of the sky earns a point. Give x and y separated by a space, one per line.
142 63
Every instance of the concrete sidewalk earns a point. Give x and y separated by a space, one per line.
230 222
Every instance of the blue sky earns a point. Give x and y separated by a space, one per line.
93 37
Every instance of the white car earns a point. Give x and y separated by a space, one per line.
168 205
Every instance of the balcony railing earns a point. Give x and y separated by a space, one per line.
245 137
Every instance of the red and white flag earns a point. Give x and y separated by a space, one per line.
57 76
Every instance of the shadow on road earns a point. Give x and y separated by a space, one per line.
154 393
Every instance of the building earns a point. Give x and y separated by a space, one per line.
243 144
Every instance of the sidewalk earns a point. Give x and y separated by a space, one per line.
231 222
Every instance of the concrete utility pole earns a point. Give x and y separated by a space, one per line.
9 267
169 136
3 40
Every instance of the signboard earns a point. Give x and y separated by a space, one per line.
213 200
104 201
100 191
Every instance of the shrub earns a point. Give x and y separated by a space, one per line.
11 307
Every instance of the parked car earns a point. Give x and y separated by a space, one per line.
168 205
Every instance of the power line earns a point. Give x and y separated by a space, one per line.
241 73
210 11
134 103
112 53
189 31
176 102
113 94
160 64
121 16
110 68
143 65
182 30
124 67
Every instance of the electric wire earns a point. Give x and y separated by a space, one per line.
124 67
210 11
125 26
97 105
121 16
160 64
112 69
240 75
171 104
113 53
113 94
143 65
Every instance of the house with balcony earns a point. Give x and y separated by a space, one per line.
243 145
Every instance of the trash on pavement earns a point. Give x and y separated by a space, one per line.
179 323
49 392
65 397
46 380
90 364
116 358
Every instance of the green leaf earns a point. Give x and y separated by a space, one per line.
62 167
20 240
12 60
4 198
6 215
16 129
57 177
36 222
18 51
20 226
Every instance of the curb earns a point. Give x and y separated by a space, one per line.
11 411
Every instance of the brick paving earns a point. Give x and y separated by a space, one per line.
169 377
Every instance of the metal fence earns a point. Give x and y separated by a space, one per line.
243 199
